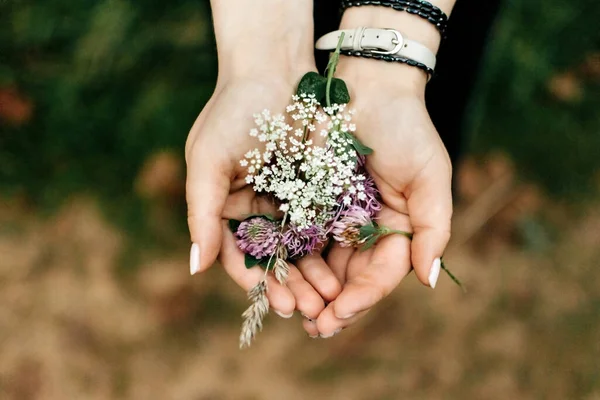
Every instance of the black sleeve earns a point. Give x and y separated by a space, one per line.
459 59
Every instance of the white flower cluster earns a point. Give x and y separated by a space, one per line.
306 179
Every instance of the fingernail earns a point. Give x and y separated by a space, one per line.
194 258
338 330
434 272
308 318
313 336
348 316
282 315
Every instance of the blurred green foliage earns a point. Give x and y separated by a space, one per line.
548 124
113 81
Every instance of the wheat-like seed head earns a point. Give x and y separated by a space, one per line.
281 270
253 316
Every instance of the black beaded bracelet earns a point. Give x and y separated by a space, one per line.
421 8
388 58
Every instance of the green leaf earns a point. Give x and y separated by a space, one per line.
369 243
270 217
371 232
267 262
339 92
359 147
234 224
313 83
251 261
368 230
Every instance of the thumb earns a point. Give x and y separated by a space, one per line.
430 212
207 187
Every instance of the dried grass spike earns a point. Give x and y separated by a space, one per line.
253 316
281 271
282 252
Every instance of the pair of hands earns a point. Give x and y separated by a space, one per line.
409 164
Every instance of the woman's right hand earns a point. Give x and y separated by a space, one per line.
264 48
217 191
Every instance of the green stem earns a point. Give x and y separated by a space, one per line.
284 220
384 231
331 66
271 258
454 278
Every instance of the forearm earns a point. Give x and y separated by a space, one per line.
262 36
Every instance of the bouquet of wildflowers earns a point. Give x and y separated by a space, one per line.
323 192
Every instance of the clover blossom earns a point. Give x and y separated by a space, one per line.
346 229
258 237
364 195
300 243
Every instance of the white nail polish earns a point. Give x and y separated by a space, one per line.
313 336
338 330
434 272
282 315
194 258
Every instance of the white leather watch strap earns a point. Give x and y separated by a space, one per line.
378 41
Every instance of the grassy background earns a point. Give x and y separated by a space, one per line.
539 93
96 98
106 84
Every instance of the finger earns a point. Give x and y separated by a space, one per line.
310 326
280 297
338 259
316 272
430 211
243 202
368 283
308 301
329 325
207 186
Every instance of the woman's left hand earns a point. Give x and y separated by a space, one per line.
412 170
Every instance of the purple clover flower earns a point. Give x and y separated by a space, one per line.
361 162
346 229
371 202
370 198
300 243
258 237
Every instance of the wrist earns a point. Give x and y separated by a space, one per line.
410 26
379 76
263 37
391 75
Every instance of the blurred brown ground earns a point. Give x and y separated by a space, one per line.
73 327
90 92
